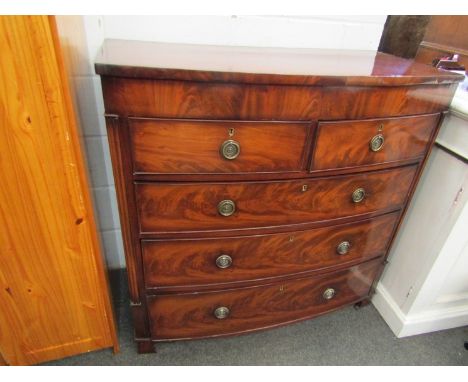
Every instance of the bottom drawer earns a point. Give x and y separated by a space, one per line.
193 315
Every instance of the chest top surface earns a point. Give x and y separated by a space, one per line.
282 66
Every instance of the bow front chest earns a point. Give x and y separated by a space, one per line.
259 187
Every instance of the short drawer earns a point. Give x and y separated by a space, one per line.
207 314
162 146
195 262
179 207
346 144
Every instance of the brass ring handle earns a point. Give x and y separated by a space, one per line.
226 207
329 293
343 247
230 149
377 142
224 261
358 195
221 312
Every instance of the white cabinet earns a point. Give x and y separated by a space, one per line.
425 285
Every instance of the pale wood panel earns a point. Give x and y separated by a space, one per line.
2 361
70 44
53 297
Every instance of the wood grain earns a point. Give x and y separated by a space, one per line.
193 147
178 99
190 315
117 135
205 100
178 264
377 102
124 193
53 295
448 30
169 108
445 35
404 138
69 37
182 207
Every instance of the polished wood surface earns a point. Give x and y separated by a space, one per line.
70 39
124 190
54 300
445 35
303 121
346 144
355 102
183 99
450 30
136 59
187 147
194 207
190 315
187 264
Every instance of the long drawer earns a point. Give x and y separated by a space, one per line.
187 263
162 146
213 100
180 207
196 315
345 144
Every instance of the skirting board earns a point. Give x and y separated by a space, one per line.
409 325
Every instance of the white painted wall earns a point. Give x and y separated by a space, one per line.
352 32
329 32
424 287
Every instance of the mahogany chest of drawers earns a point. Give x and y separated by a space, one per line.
260 187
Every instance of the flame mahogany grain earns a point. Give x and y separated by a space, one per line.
405 138
190 315
210 100
302 118
186 263
183 207
193 147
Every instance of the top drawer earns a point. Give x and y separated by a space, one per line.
137 97
347 144
161 146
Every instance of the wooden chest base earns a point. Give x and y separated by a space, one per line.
264 196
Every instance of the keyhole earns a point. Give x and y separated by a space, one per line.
231 131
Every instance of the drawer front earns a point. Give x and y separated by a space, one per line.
192 315
217 147
164 207
209 100
225 260
366 142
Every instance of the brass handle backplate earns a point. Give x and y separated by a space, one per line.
221 312
329 293
226 207
358 195
377 142
224 261
230 149
343 247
